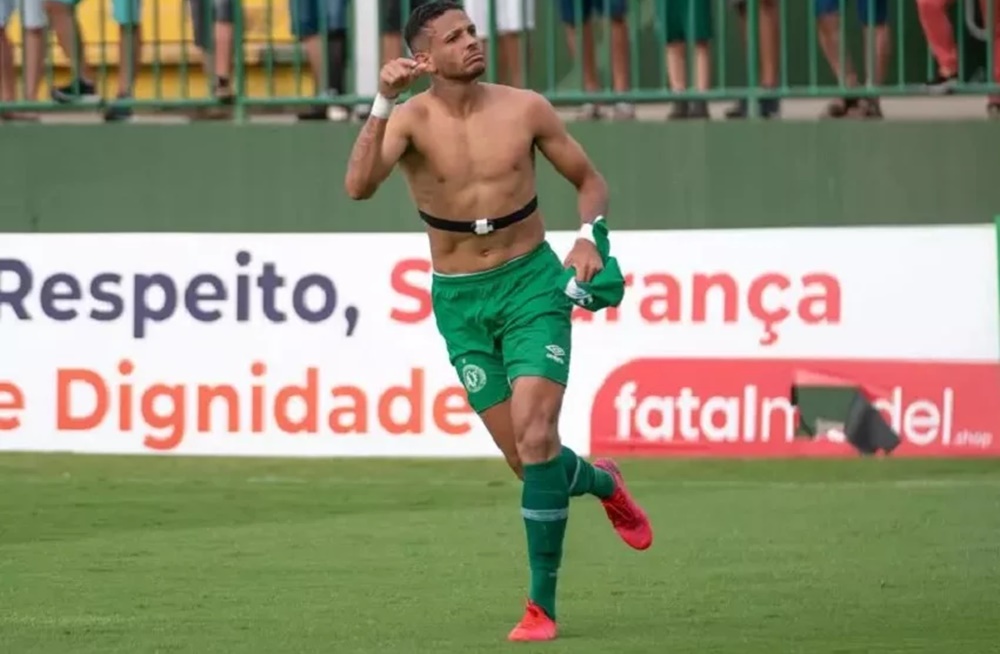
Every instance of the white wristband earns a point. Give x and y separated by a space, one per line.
586 232
382 106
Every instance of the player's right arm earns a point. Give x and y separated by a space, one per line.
382 140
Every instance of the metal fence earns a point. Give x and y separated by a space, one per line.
321 57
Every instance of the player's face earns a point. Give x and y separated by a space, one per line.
455 50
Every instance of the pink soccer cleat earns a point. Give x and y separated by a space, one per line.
626 516
534 626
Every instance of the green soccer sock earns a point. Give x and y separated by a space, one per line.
545 508
584 478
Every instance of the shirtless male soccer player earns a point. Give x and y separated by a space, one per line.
467 151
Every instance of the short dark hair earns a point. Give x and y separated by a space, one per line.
424 14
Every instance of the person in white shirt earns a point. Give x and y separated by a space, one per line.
513 18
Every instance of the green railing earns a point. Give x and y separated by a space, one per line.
757 51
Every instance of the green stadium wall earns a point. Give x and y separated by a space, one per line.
254 178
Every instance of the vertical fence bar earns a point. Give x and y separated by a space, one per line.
201 21
321 77
526 24
962 32
554 24
135 60
689 46
578 37
901 41
607 79
298 50
720 45
869 47
991 44
783 45
661 48
239 64
269 85
50 60
929 65
842 49
77 65
753 58
491 42
813 47
24 55
632 18
182 69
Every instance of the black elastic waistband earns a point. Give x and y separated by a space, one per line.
482 225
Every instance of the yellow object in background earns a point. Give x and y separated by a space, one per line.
171 62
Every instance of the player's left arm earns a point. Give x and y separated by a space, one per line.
568 158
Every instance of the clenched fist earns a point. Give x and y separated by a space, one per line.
397 76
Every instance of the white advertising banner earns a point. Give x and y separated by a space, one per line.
324 344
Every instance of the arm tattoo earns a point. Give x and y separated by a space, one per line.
365 148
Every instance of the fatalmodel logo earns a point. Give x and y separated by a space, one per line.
247 294
741 407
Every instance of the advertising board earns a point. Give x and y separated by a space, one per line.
325 344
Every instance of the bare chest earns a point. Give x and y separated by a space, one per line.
459 152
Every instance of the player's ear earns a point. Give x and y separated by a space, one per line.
424 60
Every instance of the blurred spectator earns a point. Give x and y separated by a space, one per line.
391 15
308 18
8 86
513 18
873 15
616 9
62 18
941 37
213 34
768 30
688 21
33 23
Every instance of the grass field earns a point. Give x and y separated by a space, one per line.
132 554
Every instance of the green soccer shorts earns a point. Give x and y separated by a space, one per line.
509 322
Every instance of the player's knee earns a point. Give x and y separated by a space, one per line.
535 416
537 440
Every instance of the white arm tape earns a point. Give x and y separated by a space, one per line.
586 232
382 106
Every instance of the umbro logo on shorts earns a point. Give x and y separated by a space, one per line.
556 353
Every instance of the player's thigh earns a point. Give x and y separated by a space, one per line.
537 356
461 316
484 378
537 337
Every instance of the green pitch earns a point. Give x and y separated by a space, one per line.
136 555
